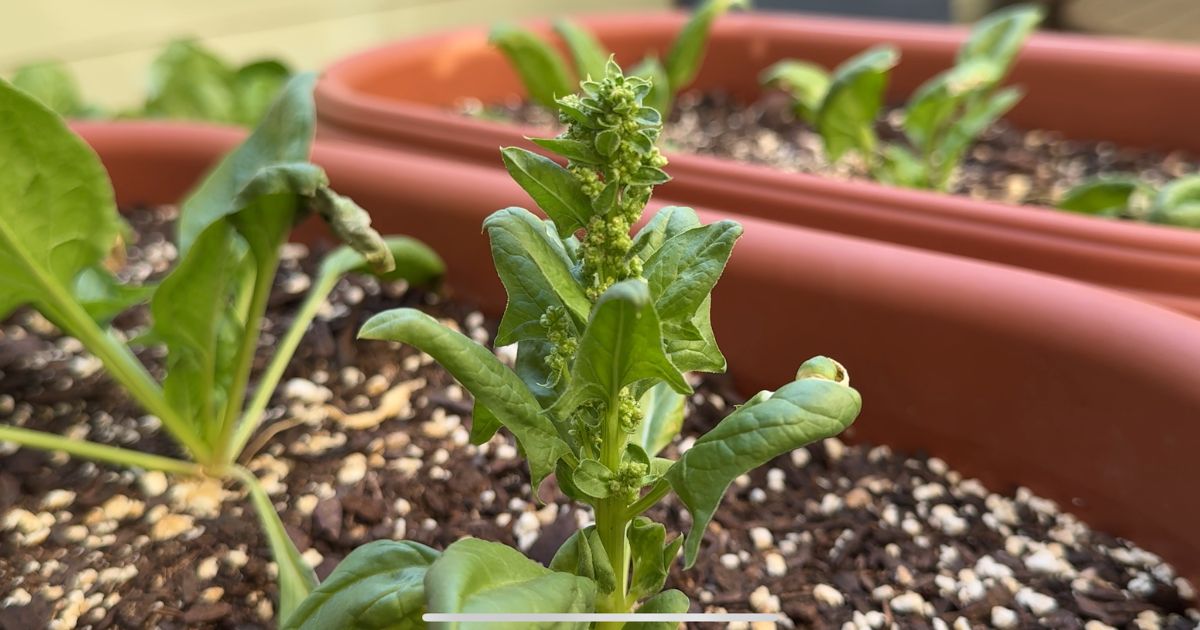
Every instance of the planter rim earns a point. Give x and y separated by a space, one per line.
342 103
1146 349
1128 255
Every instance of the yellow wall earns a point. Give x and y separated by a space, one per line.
109 43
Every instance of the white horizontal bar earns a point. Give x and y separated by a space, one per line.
533 617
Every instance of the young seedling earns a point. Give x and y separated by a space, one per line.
547 77
940 122
1176 203
186 82
59 222
606 325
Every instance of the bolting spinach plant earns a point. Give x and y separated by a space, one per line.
1176 203
546 76
941 120
605 324
58 224
186 82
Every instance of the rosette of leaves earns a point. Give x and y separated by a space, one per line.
606 326
1176 203
941 120
59 224
186 82
547 75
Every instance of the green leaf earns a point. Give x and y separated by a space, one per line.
552 187
799 413
189 82
1178 203
683 272
283 136
900 167
1100 196
542 70
667 602
531 367
621 344
255 87
271 201
476 576
589 55
1184 215
806 82
484 424
652 557
379 586
979 115
296 578
999 36
192 311
591 477
104 297
57 213
693 347
687 51
493 385
660 96
662 418
51 83
535 271
1185 190
939 101
583 555
352 225
415 262
846 118
667 223
574 150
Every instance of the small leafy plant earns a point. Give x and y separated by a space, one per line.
547 77
605 324
1176 203
186 82
941 120
59 223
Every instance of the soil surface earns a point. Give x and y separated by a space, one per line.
1006 164
368 440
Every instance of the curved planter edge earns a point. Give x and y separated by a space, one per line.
1082 394
359 98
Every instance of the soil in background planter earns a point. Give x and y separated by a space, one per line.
1007 164
366 440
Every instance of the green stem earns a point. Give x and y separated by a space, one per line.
296 579
97 452
657 492
57 302
611 514
244 361
252 417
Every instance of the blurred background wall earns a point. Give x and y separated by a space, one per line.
109 43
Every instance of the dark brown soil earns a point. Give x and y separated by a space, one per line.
829 535
1007 164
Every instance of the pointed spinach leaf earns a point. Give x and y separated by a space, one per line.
490 381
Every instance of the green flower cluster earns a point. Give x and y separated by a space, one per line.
617 173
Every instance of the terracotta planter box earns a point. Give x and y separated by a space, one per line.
1085 395
1132 93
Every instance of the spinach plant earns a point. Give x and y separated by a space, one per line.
59 222
941 120
605 324
186 82
1176 203
547 77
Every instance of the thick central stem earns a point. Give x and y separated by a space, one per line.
611 513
